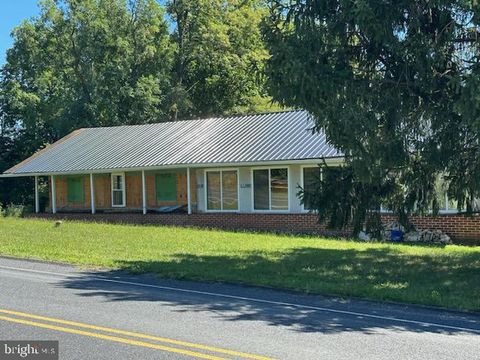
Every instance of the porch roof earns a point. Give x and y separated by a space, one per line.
236 140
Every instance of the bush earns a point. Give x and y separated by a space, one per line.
13 210
2 211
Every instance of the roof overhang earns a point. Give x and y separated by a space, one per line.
337 160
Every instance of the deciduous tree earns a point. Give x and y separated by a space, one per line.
219 57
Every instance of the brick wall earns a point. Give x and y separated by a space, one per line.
294 223
457 226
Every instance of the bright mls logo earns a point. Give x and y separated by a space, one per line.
38 350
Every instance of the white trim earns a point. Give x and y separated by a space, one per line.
189 196
37 199
92 193
302 184
277 164
124 197
205 181
54 194
446 211
428 213
269 168
144 193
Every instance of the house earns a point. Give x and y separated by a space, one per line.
232 172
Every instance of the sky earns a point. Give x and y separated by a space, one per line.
12 13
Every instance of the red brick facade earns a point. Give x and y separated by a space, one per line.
460 228
298 223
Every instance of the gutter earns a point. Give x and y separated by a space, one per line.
334 160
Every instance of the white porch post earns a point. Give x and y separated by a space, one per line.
144 193
189 197
37 200
92 193
54 194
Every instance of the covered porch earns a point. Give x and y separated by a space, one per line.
156 191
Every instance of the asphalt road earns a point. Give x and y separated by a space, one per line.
113 315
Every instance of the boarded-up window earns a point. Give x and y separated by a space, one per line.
229 190
222 190
75 191
214 194
166 187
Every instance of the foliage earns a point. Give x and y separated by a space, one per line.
219 56
340 200
97 63
87 63
445 276
13 210
394 85
15 145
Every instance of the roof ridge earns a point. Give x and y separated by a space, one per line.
199 119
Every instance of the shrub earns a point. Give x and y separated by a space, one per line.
13 210
2 211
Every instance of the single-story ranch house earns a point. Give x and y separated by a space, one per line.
239 172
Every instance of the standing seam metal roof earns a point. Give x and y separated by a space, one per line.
231 140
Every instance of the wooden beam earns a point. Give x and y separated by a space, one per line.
144 193
54 194
189 196
92 193
37 199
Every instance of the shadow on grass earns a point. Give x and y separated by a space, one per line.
381 274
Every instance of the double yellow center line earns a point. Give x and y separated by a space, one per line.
185 348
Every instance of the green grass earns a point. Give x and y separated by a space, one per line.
444 276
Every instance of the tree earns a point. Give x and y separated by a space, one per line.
394 84
219 57
88 63
101 63
13 145
82 63
85 63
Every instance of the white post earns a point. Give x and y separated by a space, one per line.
37 200
144 193
92 193
189 198
54 194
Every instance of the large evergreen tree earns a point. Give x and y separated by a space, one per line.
394 84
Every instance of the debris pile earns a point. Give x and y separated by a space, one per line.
423 236
428 236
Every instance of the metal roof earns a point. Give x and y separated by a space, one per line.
231 140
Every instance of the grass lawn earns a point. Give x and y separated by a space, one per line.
445 276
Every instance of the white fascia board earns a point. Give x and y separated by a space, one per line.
329 161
